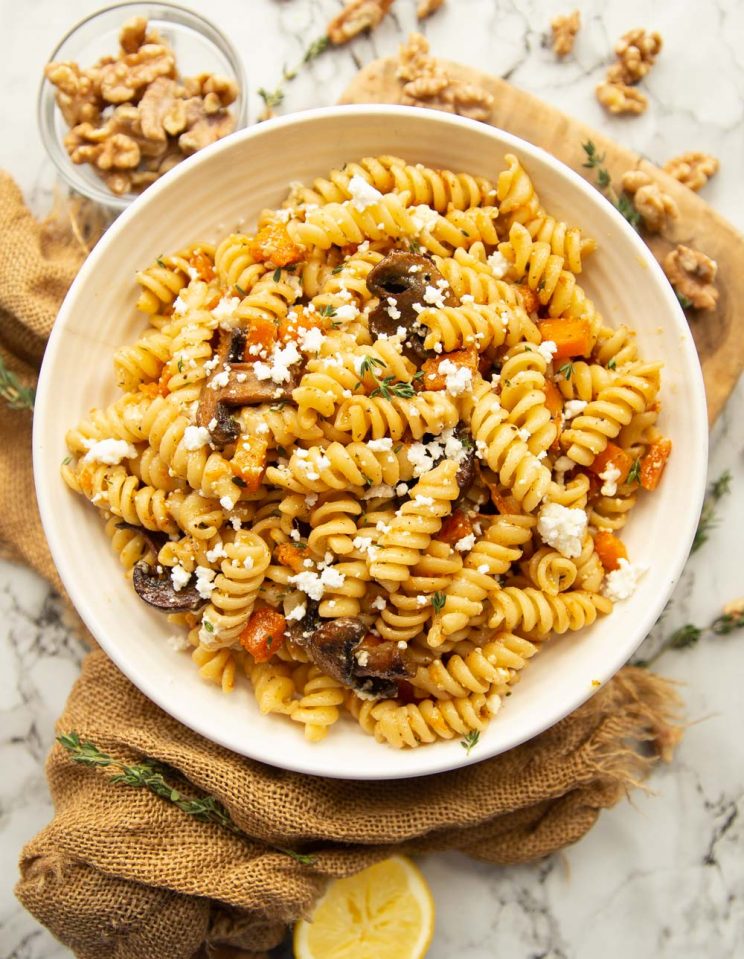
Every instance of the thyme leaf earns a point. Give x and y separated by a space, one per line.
730 620
634 473
566 370
622 202
15 394
707 521
277 274
437 601
151 775
470 741
271 98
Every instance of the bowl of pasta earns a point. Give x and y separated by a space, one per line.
383 466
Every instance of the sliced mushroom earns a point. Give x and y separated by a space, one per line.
243 388
154 539
158 590
403 278
301 631
344 649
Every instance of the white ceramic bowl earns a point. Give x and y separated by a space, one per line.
207 196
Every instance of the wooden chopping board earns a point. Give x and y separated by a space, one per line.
719 335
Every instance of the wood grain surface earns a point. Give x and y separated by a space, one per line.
719 335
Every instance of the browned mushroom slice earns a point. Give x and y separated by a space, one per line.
155 540
158 590
242 388
400 281
343 649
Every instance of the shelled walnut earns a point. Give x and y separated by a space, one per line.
564 29
654 206
693 169
636 53
356 17
692 274
132 117
427 81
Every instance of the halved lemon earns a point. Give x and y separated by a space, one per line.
384 911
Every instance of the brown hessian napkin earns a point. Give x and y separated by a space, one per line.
121 872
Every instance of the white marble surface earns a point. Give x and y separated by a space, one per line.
659 878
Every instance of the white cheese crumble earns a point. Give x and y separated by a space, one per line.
204 581
248 562
466 543
178 642
311 339
400 490
621 583
217 552
381 445
392 310
610 476
111 452
423 217
346 312
379 602
573 408
382 489
434 296
363 194
499 264
219 380
226 307
547 349
362 657
362 542
226 503
297 613
483 568
314 584
194 437
562 528
179 577
277 369
458 379
420 500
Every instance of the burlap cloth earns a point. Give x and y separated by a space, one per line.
122 873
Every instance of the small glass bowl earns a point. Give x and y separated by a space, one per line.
199 48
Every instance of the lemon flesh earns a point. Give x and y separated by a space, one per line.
384 911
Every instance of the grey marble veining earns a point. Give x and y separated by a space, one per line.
661 877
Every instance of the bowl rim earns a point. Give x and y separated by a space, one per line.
428 760
55 150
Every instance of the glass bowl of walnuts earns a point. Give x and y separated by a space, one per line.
133 90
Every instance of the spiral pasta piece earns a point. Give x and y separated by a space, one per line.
318 706
333 526
217 666
427 412
584 381
518 202
550 571
235 265
235 590
431 719
414 524
143 361
337 467
602 419
523 397
343 223
539 613
272 685
129 545
122 420
565 241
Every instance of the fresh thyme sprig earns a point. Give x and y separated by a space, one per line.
470 740
730 620
15 394
707 521
151 775
566 370
437 601
634 473
388 386
275 97
622 202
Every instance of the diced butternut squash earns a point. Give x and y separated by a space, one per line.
291 556
203 265
261 333
163 382
263 634
249 461
456 526
434 379
610 549
612 456
289 328
553 399
273 244
653 463
573 337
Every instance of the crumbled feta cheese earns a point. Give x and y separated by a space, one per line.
178 642
547 349
248 562
382 489
226 503
466 543
524 434
212 424
421 600
362 657
311 499
392 310
420 458
226 307
314 584
379 602
363 194
382 445
219 380
562 528
236 523
610 476
111 451
483 568
346 312
297 613
382 527
262 428
423 217
434 296
499 264
179 577
573 408
217 552
179 306
458 379
621 583
420 500
362 542
400 490
194 437
311 339
278 367
204 581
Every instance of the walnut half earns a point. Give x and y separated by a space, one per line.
692 274
564 29
693 169
654 206
356 17
621 98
